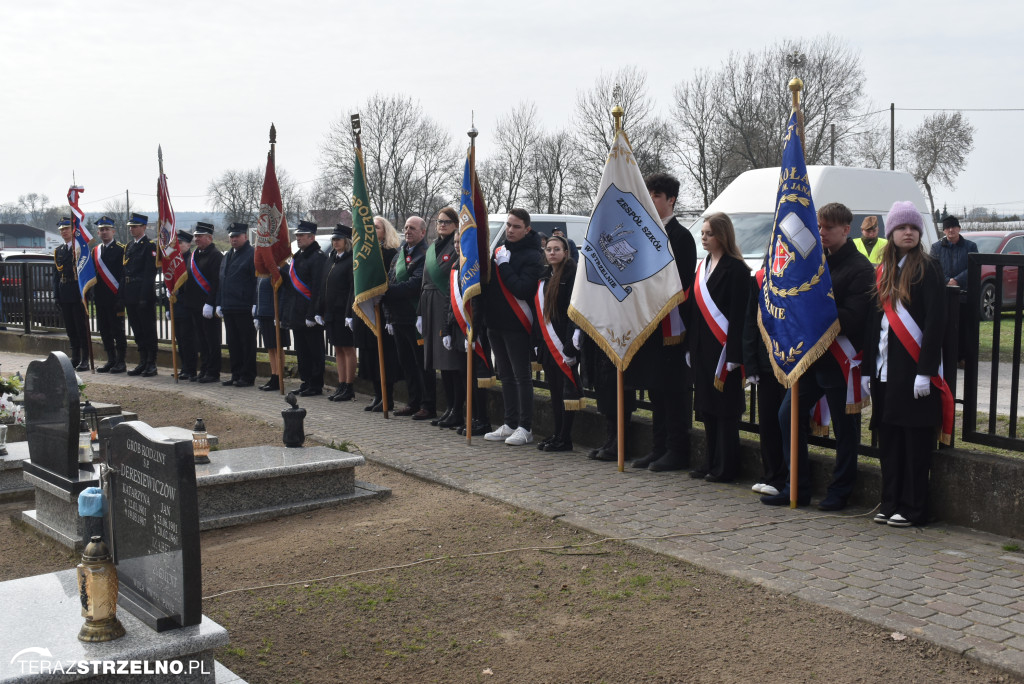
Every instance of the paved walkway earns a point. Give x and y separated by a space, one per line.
949 586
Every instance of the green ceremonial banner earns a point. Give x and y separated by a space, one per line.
369 274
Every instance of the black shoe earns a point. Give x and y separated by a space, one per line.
337 392
228 383
138 369
105 368
481 429
272 385
347 394
243 383
379 408
184 375
541 445
608 454
206 379
461 430
373 404
452 421
650 458
424 414
668 461
444 416
310 392
83 366
711 477
118 366
698 474
782 499
831 503
302 387
559 445
150 370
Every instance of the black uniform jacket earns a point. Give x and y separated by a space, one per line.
402 299
207 261
309 266
237 280
729 287
336 292
928 309
112 256
139 272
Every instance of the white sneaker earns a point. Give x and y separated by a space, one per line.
898 521
499 435
520 437
757 488
768 490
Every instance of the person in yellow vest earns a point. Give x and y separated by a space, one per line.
870 245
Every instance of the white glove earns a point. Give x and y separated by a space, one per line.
922 386
219 312
536 351
447 342
256 323
419 324
465 345
319 320
865 385
390 329
731 366
753 379
254 311
348 323
688 360
207 311
570 361
309 323
576 338
502 255
167 315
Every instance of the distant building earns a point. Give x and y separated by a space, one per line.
20 236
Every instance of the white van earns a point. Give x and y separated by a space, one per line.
575 227
750 203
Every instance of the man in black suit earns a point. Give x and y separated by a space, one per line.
201 293
139 294
70 297
235 299
303 277
108 258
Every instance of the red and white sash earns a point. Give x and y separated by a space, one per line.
910 335
460 315
715 319
673 329
104 271
849 360
551 339
519 307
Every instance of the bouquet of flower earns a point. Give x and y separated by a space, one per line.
11 412
11 385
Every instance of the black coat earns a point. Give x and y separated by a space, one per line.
65 276
139 272
335 302
309 266
402 299
853 284
112 256
928 309
520 275
237 280
729 287
207 262
656 364
563 325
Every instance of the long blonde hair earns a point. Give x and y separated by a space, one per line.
895 283
391 239
722 230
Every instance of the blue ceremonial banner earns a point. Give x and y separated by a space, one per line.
797 311
469 262
83 258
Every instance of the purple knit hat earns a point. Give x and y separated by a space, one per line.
901 214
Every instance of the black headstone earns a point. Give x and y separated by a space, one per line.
105 433
52 420
155 526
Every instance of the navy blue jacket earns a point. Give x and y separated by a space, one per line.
237 280
953 258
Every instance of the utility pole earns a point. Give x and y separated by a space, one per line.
892 136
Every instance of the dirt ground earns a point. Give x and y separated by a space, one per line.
434 584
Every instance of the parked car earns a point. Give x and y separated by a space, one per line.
997 242
575 227
750 203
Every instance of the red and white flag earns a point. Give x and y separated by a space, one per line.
171 261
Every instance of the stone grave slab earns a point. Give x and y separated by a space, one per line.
52 417
155 526
44 612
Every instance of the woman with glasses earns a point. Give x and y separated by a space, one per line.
438 353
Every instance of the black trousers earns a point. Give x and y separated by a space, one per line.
77 327
671 418
241 339
559 386
208 338
410 358
723 442
110 321
309 351
905 457
774 460
185 336
511 350
142 319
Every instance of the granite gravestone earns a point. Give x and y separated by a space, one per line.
52 419
105 433
155 526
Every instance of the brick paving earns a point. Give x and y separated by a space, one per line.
950 586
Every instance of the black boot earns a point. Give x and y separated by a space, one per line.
118 366
150 370
443 417
347 393
111 359
611 445
333 396
141 366
272 385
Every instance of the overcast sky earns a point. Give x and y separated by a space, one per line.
94 87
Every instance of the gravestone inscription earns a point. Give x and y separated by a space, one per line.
155 526
52 417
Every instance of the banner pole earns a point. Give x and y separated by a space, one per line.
380 360
469 385
174 346
794 436
621 419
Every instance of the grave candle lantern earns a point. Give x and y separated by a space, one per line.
97 588
200 443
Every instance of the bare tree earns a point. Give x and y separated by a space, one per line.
11 213
38 212
410 159
649 135
516 137
236 193
491 174
555 175
938 150
118 210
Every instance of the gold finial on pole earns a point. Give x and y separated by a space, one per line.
273 133
795 86
617 111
